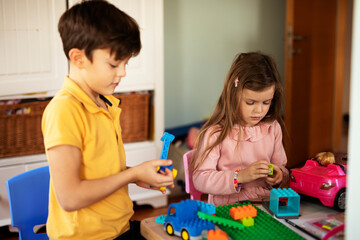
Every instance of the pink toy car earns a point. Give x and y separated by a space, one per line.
325 183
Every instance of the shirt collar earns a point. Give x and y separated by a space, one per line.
106 100
70 86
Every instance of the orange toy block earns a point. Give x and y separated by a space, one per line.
217 235
244 211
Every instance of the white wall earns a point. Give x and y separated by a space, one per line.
202 38
353 190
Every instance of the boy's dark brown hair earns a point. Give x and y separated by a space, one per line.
97 24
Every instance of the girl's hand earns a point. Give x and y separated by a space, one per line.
254 171
276 178
147 175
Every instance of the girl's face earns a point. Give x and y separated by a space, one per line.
254 105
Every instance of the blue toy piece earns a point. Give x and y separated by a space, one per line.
182 219
28 199
167 138
206 207
284 202
160 219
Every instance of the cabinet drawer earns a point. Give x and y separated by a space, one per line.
137 153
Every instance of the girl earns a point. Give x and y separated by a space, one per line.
243 136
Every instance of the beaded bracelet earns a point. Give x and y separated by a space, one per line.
236 184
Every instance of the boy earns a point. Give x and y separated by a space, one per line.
88 196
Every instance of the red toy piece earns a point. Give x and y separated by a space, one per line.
244 211
217 235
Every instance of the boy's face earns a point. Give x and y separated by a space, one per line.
104 73
254 105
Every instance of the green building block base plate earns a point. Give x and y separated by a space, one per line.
265 226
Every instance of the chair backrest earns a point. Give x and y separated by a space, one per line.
189 186
29 199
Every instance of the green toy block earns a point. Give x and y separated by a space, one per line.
247 221
265 226
221 221
271 171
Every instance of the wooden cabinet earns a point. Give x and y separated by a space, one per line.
31 56
38 65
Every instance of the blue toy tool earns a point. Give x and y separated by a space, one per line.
167 138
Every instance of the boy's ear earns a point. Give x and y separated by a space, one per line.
76 57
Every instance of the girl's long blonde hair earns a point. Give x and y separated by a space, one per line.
255 71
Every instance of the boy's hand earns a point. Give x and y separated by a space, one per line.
254 171
147 186
276 178
147 175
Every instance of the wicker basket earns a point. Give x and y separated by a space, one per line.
134 117
20 129
20 124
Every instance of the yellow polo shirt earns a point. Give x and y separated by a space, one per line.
72 118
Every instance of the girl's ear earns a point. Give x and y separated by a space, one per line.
76 57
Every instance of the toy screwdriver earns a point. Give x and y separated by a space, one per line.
167 138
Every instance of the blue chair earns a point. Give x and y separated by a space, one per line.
29 199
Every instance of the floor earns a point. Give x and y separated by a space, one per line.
141 212
6 235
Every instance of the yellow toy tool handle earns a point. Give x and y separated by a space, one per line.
174 175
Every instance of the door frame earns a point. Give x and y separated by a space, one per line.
340 72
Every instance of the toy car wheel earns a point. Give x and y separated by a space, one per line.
169 229
185 234
339 203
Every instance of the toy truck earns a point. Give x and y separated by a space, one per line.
182 219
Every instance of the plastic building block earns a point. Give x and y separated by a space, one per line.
221 221
167 138
217 235
247 221
205 207
284 202
182 219
244 214
265 226
160 219
245 211
271 171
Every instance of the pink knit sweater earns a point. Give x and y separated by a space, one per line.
216 175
